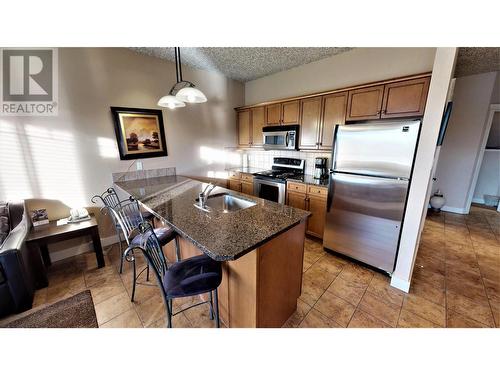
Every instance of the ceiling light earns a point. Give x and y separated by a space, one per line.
170 101
191 95
183 91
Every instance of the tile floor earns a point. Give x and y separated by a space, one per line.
456 283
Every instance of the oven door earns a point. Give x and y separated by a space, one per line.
270 190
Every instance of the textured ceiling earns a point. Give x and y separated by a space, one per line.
248 63
475 60
244 63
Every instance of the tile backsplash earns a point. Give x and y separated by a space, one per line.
264 159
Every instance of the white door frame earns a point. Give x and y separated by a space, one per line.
493 108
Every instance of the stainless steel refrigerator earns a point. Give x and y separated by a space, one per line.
368 185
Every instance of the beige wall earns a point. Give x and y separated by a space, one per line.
418 196
361 65
463 139
71 157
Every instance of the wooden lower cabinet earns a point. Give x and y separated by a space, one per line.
235 185
241 182
261 288
312 199
297 200
316 224
247 187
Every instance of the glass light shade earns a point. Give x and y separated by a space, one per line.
191 95
171 102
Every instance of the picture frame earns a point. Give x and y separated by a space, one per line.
139 132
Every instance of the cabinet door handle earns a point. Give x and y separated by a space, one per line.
378 112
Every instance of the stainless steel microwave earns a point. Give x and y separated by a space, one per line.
285 137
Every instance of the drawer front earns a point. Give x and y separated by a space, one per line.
317 191
297 187
234 175
247 177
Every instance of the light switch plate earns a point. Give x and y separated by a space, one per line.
138 165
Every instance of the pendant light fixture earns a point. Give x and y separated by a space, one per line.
183 91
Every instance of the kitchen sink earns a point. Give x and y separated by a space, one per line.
225 202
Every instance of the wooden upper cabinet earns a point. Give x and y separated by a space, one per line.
310 122
407 98
365 104
258 120
244 128
290 112
273 114
334 107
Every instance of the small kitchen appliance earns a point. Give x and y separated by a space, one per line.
320 169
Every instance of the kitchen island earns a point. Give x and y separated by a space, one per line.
261 246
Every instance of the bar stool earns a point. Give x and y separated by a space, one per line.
129 217
110 200
189 277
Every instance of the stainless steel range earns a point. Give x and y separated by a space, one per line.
271 184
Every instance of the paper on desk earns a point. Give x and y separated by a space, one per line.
62 222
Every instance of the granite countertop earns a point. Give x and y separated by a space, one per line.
250 170
222 236
218 171
310 180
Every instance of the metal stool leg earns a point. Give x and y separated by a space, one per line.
121 249
216 301
169 313
211 305
177 248
134 278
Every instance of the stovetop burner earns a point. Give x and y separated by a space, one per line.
283 168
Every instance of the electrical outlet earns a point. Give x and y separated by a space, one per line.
138 165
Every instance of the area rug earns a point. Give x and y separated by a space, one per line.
73 312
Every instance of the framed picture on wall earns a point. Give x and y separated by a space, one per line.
139 133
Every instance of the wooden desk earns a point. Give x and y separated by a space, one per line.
50 233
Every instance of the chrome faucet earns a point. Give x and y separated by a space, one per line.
203 196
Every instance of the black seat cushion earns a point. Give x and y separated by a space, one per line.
164 235
192 276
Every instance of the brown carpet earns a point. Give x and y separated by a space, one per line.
73 312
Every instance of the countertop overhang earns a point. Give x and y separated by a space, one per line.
222 236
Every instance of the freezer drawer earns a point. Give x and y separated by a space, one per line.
364 216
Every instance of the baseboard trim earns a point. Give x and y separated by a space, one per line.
478 200
455 210
81 249
400 284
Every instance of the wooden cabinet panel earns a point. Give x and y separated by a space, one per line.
334 108
290 112
296 187
235 185
405 98
273 114
246 177
244 128
365 104
310 122
234 175
317 206
258 119
297 200
247 187
317 190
